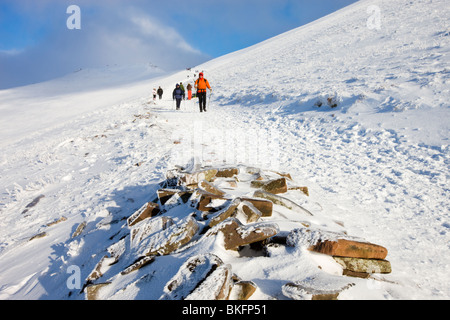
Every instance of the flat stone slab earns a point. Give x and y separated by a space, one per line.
216 286
147 228
242 290
142 262
281 201
195 177
164 195
263 205
205 202
225 213
273 186
92 291
236 234
148 210
170 239
191 280
248 212
364 265
350 249
209 188
334 244
319 287
227 172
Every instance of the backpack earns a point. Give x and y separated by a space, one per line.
197 82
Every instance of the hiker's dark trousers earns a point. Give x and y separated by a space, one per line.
202 100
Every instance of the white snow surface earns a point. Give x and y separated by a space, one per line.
91 148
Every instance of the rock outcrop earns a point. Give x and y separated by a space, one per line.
220 208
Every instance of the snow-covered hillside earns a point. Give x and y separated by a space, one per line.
357 114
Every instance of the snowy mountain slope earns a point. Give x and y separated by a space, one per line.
401 67
377 163
63 99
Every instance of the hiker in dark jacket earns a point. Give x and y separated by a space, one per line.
160 93
177 95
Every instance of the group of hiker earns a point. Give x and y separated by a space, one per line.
178 94
158 92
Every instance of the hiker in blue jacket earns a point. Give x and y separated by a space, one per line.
177 95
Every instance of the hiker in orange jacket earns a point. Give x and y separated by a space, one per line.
201 85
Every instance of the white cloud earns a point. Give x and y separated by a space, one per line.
11 52
119 35
168 35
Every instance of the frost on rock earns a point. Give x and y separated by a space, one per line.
209 188
227 172
166 241
190 275
93 290
265 229
208 202
147 228
118 249
79 229
248 213
236 234
272 186
194 178
216 286
331 100
242 290
100 269
317 287
334 244
359 109
140 263
282 201
165 195
263 205
148 210
306 237
224 214
363 266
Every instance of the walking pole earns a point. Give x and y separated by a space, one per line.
198 103
209 100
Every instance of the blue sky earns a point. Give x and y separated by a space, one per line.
36 45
